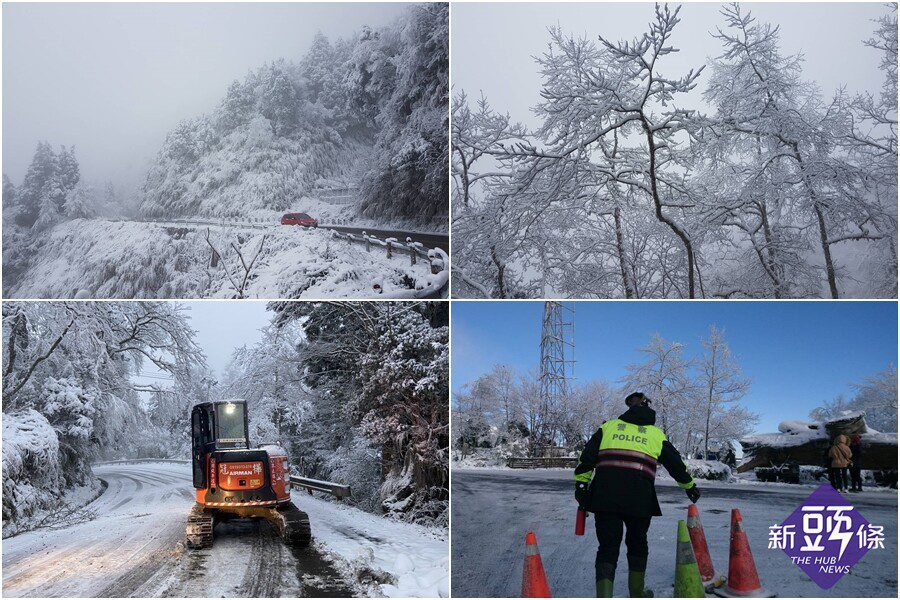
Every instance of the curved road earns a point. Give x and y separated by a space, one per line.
493 509
131 544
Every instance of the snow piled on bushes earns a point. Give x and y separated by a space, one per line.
109 259
35 491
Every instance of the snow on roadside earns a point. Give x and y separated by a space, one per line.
328 213
415 557
110 259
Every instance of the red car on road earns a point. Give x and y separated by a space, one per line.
302 219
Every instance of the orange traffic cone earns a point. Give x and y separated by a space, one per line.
534 581
743 581
698 540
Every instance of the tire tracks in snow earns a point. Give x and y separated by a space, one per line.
134 547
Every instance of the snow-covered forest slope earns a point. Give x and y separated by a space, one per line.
628 188
365 116
368 112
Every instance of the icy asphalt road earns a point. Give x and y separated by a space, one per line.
133 547
492 511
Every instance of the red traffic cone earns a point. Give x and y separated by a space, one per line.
743 581
701 550
534 580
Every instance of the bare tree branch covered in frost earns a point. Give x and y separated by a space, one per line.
774 191
876 396
697 401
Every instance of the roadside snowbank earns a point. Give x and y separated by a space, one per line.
397 559
107 259
35 496
708 469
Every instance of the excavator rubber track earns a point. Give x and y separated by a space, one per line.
292 524
199 530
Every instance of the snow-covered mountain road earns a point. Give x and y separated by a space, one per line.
428 240
132 545
493 509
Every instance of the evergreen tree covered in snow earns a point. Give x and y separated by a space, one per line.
290 128
49 192
374 377
408 176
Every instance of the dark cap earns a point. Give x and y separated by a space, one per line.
637 399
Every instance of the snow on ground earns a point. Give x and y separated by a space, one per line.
132 545
139 519
106 259
493 509
415 557
329 213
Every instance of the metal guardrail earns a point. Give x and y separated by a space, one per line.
437 259
125 461
542 463
337 490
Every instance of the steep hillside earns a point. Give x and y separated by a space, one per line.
370 112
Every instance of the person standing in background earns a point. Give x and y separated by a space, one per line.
841 458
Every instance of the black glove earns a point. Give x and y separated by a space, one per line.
582 493
693 493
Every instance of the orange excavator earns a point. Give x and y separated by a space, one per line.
235 481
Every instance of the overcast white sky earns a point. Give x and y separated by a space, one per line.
493 43
113 79
221 327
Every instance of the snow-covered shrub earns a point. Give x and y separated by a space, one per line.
32 474
708 469
359 466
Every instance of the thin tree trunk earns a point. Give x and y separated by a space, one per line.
826 250
501 288
775 268
820 217
620 250
688 248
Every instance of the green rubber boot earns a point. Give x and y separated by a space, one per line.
605 575
604 588
636 585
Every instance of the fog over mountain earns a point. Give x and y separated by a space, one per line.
114 79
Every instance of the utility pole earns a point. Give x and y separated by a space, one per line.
557 366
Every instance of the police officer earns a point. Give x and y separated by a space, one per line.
623 455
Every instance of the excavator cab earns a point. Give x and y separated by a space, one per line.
216 426
233 480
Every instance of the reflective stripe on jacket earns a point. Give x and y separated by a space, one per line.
628 446
620 460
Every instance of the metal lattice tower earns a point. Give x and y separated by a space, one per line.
557 363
